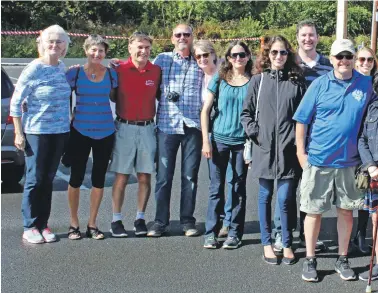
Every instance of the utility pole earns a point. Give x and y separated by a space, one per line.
373 43
341 20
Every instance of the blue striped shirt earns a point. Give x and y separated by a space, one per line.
45 90
93 116
323 66
183 76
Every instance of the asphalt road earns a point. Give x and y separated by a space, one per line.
169 264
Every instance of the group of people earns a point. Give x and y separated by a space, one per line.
308 117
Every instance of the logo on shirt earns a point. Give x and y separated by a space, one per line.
150 82
358 94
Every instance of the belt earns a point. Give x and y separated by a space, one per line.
138 123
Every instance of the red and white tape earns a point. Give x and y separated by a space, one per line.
10 33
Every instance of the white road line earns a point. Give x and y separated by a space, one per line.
13 78
67 179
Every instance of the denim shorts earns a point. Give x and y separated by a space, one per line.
134 149
321 187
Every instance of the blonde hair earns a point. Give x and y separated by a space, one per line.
206 46
54 29
374 69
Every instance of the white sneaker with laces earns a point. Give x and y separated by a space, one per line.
33 236
48 235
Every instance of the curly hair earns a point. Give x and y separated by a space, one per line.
225 71
291 66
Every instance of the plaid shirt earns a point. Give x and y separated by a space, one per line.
185 78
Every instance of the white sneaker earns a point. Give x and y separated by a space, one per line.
48 235
33 236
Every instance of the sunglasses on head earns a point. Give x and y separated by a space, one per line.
186 35
363 59
204 55
342 56
282 52
240 54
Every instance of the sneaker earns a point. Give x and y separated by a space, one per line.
231 242
140 227
211 242
320 246
48 235
157 230
278 246
309 273
190 230
33 236
342 266
374 275
117 229
223 233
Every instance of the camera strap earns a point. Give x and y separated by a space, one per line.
186 72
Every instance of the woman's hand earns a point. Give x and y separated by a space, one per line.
74 66
114 62
206 149
19 141
373 172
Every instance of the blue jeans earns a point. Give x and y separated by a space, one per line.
227 206
42 157
292 215
218 169
167 148
285 196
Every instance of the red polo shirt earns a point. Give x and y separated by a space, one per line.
137 90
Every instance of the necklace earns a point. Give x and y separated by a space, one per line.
93 76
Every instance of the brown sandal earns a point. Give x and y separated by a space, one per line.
94 233
74 233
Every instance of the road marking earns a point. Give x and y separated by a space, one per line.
67 179
13 78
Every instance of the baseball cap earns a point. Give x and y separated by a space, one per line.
341 45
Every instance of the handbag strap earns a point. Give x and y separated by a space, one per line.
258 97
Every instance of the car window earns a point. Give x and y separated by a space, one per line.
7 87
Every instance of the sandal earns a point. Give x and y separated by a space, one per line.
74 233
94 233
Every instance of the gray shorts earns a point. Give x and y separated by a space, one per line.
134 148
321 187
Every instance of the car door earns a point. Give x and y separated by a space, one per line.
7 89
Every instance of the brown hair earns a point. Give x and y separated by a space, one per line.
140 36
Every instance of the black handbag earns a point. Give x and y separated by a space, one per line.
214 109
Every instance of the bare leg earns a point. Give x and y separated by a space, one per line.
118 194
73 203
96 197
268 251
144 190
311 230
344 229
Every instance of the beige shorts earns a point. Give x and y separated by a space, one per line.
322 186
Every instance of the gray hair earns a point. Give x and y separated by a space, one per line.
206 46
54 29
95 40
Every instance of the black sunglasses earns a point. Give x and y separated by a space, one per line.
363 59
240 54
186 35
341 57
282 52
204 55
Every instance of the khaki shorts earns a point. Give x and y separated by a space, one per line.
134 148
322 186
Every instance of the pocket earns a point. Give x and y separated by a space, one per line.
372 123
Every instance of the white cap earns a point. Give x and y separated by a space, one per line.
341 45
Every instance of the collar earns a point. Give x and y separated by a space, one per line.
281 73
130 65
178 56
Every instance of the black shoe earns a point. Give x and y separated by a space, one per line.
157 230
270 260
309 272
360 244
374 274
289 261
342 266
117 229
140 227
190 230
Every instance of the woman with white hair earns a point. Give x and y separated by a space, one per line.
43 130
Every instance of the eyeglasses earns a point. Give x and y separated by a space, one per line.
205 56
51 42
240 54
363 59
186 35
282 53
341 57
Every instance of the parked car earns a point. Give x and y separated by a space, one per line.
12 159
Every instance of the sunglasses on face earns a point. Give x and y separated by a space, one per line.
341 57
204 55
186 35
363 59
240 54
282 53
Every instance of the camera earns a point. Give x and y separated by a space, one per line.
173 96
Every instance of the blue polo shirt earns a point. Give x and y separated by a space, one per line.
334 109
